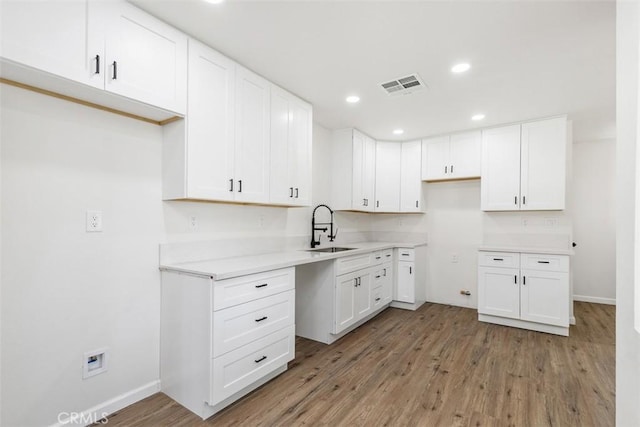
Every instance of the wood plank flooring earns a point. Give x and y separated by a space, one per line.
437 366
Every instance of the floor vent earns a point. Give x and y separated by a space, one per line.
403 85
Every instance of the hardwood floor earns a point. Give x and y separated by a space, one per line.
437 366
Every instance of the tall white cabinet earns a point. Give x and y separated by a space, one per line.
353 172
388 176
524 166
410 183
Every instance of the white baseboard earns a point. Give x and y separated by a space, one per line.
96 413
595 300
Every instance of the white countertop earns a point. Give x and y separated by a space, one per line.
225 268
530 250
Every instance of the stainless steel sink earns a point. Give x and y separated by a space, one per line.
331 249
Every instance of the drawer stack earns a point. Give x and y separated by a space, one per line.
253 329
382 279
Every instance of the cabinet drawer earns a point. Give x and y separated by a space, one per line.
239 325
545 262
499 259
377 258
381 274
387 255
353 263
406 254
238 369
230 292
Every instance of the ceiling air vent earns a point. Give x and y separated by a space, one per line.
403 85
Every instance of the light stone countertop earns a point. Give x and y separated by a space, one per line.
529 250
226 268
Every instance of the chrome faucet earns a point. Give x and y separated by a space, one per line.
314 227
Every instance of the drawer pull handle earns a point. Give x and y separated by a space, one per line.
405 254
378 257
498 259
388 255
261 319
543 262
515 279
524 280
261 359
378 299
262 286
378 276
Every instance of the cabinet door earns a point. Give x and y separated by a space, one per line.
543 164
345 309
147 59
358 200
465 153
410 183
300 137
56 37
499 292
210 124
435 158
251 137
386 288
500 184
387 187
405 285
545 297
369 174
363 297
280 186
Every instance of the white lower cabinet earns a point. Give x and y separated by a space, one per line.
222 339
409 290
334 297
524 290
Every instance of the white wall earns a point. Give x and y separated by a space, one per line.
594 221
65 291
627 338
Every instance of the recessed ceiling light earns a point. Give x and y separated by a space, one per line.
398 131
214 1
477 117
460 68
353 99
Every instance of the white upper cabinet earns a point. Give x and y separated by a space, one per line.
410 183
252 137
454 156
353 171
524 166
56 37
221 151
112 46
388 166
291 134
146 58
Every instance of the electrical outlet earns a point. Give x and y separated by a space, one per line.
94 221
261 221
454 258
193 222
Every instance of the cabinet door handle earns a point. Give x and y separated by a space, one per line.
262 286
261 359
115 70
296 192
410 270
378 299
524 280
261 319
416 203
377 203
364 202
543 262
524 200
239 186
445 169
231 185
290 191
515 279
515 200
385 272
97 65
451 168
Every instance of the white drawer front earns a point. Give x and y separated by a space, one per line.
545 262
230 292
381 274
353 263
499 259
236 326
387 255
406 254
240 368
377 258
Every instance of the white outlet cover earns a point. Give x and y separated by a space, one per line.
94 221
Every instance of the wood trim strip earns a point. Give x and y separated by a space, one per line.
87 103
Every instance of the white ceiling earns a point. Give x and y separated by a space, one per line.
529 59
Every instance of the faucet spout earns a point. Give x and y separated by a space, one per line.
315 242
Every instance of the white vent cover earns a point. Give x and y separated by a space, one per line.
403 85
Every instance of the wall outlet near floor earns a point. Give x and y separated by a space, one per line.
465 292
94 221
94 362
